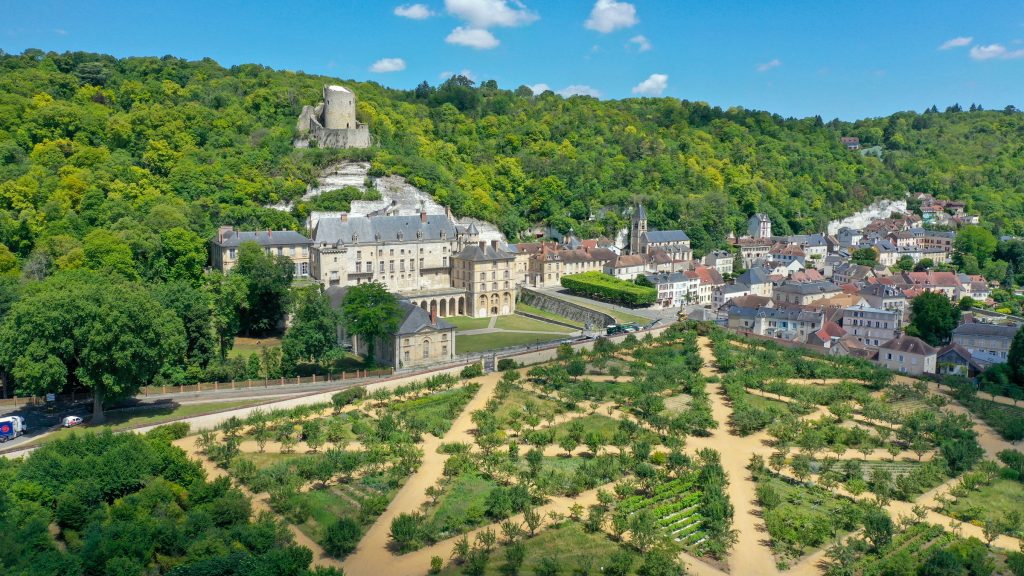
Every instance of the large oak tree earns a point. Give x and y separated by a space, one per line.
80 327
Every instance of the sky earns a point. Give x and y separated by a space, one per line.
836 59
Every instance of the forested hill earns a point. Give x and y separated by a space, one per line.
139 146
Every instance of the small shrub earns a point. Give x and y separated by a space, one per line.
473 370
507 364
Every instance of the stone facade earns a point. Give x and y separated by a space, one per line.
486 272
225 246
332 123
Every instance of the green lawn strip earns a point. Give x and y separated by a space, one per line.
524 323
466 323
246 346
461 506
568 545
545 314
991 501
499 340
118 420
266 459
604 426
517 399
619 316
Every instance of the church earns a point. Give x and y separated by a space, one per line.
673 243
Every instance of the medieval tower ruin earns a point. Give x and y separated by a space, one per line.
332 123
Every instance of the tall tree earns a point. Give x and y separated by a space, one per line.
1015 359
193 305
229 294
975 241
371 312
933 318
81 327
314 329
268 279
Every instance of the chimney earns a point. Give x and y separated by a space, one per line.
494 244
343 216
448 212
483 245
270 233
433 318
223 231
423 216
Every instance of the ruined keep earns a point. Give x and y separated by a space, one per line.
332 123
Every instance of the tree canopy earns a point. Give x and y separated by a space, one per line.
370 311
933 318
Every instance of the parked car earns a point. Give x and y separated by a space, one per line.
69 421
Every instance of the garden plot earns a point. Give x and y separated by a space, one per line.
676 506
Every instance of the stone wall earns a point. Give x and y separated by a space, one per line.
570 310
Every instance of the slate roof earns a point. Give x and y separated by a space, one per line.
233 238
805 288
659 236
415 319
755 275
910 345
789 314
363 230
641 212
486 253
980 329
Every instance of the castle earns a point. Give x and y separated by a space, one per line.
332 123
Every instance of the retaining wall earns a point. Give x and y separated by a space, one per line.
570 310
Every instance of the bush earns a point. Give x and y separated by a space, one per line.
169 432
406 530
346 397
507 364
342 537
609 288
473 370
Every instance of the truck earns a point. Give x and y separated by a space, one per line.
11 427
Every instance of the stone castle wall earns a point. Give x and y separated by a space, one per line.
570 310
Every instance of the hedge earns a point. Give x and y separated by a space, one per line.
609 288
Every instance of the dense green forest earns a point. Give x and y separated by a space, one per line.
129 504
140 146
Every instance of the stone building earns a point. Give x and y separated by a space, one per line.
224 247
487 274
871 326
332 123
674 243
987 343
405 253
759 226
422 339
908 355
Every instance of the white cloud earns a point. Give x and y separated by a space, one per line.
464 72
958 42
488 13
653 86
539 88
413 11
578 90
609 15
995 51
388 65
60 32
773 63
473 37
642 43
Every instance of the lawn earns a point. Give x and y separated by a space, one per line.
499 340
678 403
569 546
520 307
246 346
462 505
118 420
604 426
516 400
466 323
990 501
529 324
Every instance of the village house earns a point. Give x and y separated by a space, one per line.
224 248
759 226
674 289
871 326
626 267
803 293
955 360
720 260
908 355
753 249
987 343
783 323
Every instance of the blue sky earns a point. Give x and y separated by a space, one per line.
798 58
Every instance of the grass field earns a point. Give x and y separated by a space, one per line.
462 505
603 425
466 323
246 346
498 340
545 314
123 420
620 317
989 501
523 323
678 403
517 399
568 546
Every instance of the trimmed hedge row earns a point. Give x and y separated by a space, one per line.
609 288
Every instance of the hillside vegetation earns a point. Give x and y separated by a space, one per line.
143 145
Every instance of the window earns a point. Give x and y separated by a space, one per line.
304 269
231 253
391 267
359 265
421 261
406 355
392 252
444 350
426 348
381 266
